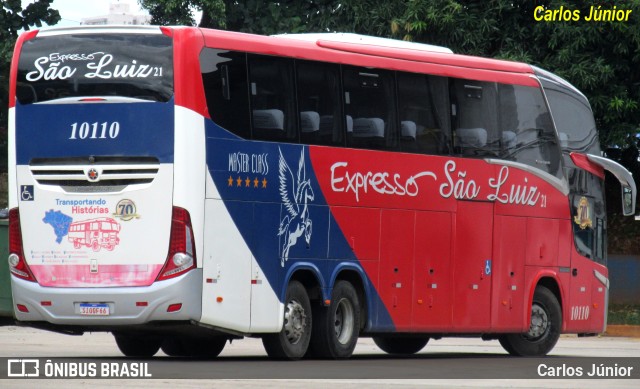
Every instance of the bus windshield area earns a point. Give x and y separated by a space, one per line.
59 68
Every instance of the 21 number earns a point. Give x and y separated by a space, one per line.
95 130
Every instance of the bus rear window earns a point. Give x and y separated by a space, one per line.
138 66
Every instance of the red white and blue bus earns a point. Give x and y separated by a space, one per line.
307 190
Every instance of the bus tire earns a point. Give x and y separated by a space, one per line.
400 345
136 345
336 327
544 329
292 341
173 347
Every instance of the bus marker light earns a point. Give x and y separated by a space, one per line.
45 303
327 302
219 299
142 304
420 302
22 308
595 305
174 307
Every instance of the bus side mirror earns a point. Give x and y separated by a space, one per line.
627 201
627 182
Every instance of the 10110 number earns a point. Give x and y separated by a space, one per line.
95 130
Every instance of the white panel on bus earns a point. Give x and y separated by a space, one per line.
226 265
190 169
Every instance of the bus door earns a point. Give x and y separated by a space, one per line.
472 265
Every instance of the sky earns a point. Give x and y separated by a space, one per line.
72 11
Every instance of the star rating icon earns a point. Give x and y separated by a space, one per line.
240 182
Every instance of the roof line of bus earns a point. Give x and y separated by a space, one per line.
92 29
281 45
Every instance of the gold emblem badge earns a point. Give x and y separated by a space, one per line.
583 214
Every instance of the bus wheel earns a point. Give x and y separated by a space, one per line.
135 345
293 340
336 327
544 329
76 244
400 345
194 347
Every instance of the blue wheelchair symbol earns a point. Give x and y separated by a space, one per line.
26 192
487 267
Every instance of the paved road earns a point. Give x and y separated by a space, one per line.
244 360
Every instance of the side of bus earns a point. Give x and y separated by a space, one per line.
445 214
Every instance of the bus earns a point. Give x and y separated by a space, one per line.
94 233
305 190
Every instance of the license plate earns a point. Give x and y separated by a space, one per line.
94 309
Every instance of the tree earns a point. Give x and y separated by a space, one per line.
181 12
272 17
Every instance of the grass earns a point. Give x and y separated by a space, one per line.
624 314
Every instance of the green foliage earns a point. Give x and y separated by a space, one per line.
181 12
624 314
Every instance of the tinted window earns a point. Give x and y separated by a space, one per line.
319 105
224 75
423 110
272 98
528 135
370 108
474 107
505 121
574 121
84 65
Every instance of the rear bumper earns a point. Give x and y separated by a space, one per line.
126 304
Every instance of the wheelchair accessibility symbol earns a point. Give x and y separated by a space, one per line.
26 192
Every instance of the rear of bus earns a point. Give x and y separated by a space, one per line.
95 240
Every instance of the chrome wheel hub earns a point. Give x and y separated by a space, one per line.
294 321
539 322
344 320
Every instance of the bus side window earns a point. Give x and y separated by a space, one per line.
369 97
224 75
272 98
319 105
423 113
528 132
476 118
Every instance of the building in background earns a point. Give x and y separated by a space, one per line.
119 13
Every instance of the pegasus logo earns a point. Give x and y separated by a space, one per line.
296 193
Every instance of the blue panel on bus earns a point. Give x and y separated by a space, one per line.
100 129
290 223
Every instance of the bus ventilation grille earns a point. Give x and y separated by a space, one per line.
92 174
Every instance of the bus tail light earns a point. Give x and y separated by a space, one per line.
182 250
17 264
